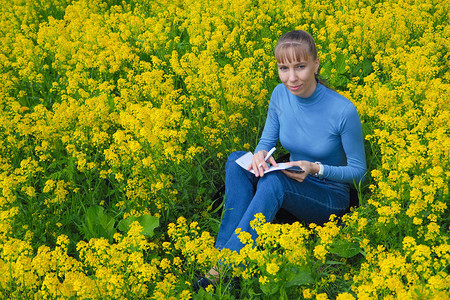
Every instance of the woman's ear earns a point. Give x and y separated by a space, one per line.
316 66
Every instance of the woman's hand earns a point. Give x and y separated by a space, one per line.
307 166
258 164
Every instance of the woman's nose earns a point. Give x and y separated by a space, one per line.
292 76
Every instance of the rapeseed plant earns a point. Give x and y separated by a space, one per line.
133 106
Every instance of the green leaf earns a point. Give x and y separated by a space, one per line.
111 104
299 276
148 223
124 224
345 248
333 262
98 224
269 288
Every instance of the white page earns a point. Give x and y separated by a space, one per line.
245 160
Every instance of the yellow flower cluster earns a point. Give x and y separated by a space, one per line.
195 246
103 270
134 106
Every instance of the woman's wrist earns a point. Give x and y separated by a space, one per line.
314 168
317 169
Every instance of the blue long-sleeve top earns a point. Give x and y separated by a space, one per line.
324 127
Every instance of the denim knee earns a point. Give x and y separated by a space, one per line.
232 159
235 155
270 180
270 187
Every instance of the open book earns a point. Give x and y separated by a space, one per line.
245 160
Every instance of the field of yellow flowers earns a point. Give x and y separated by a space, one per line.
116 118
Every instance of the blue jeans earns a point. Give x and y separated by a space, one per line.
312 200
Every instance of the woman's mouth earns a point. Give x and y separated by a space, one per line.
295 87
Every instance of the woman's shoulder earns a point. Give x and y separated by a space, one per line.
335 95
280 88
337 98
338 103
279 94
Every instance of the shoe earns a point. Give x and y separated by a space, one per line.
235 284
202 282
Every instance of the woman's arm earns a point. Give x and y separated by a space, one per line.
271 132
353 145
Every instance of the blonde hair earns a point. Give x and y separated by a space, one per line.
295 45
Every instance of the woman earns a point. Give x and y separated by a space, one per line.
322 132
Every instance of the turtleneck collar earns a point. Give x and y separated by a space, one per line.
315 97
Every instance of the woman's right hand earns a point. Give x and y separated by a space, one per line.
307 166
259 165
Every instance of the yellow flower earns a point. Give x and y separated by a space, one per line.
263 279
320 252
307 294
272 268
345 296
322 296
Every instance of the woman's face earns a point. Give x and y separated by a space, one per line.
298 76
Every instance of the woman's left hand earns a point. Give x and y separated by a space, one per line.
307 166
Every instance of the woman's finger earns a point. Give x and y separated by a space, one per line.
272 161
296 176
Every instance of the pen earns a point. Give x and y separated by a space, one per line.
267 156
